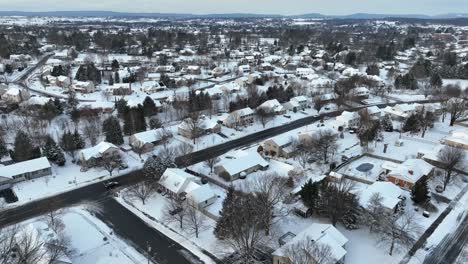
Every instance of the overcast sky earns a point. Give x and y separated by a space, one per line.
331 7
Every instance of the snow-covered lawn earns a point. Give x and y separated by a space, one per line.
91 241
155 208
67 178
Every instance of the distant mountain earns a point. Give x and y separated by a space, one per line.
228 15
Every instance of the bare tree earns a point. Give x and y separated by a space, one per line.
399 231
53 218
337 200
193 123
7 243
308 251
211 162
323 144
196 221
450 158
58 248
264 116
175 211
375 211
142 191
92 130
457 109
302 151
111 162
270 189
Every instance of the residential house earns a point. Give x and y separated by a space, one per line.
165 69
280 145
91 157
205 126
308 135
145 141
119 89
389 192
319 234
15 95
304 72
63 81
244 68
360 92
349 119
297 103
458 139
25 170
179 184
242 164
241 117
408 173
192 69
83 87
151 87
273 107
218 71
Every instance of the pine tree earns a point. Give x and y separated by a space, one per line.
149 107
52 152
310 194
420 192
121 106
436 80
154 168
155 123
3 148
24 148
413 123
112 130
115 65
78 140
221 230
387 123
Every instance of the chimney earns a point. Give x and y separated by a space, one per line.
411 172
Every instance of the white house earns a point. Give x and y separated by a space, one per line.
15 95
244 68
91 156
320 234
298 103
389 192
179 184
242 164
458 139
83 87
304 72
361 92
350 119
240 117
272 106
25 170
145 141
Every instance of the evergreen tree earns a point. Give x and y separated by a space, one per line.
24 148
112 130
420 192
387 124
115 65
149 107
154 167
310 194
3 148
436 80
373 69
222 226
121 106
116 77
78 140
412 123
111 80
52 152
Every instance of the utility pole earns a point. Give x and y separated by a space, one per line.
148 250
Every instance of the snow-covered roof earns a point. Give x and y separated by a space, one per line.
150 136
282 139
38 100
96 151
177 180
458 137
412 170
272 105
387 190
299 99
243 161
322 234
244 111
24 167
201 194
347 116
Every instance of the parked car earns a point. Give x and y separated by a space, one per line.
111 185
